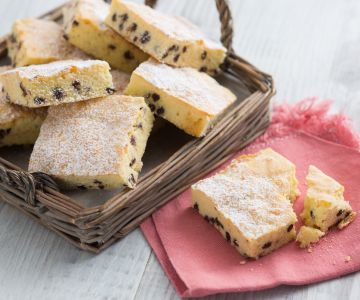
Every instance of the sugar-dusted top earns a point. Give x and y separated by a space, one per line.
44 38
253 204
94 11
321 182
57 67
86 138
270 164
191 86
173 26
10 112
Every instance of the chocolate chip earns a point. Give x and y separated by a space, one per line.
132 140
76 85
4 132
312 214
39 100
135 39
133 161
212 220
111 46
173 48
66 37
82 187
339 213
114 17
176 58
23 89
7 97
218 223
184 49
160 110
132 27
132 179
75 23
58 93
228 237
203 55
145 37
139 126
203 69
267 245
236 243
152 107
347 214
99 184
196 206
165 55
124 17
291 226
128 55
121 26
156 97
110 90
207 219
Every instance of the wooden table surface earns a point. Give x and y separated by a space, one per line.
312 48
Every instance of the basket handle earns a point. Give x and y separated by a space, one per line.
253 78
225 20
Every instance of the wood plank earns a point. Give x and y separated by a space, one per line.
311 48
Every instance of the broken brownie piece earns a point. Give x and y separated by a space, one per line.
95 144
172 40
18 125
57 82
189 99
34 42
85 28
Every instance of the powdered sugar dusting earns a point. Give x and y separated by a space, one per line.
172 26
86 138
253 204
56 67
10 112
191 86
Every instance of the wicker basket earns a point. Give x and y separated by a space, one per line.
97 227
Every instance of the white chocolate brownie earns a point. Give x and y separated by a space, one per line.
35 42
169 39
324 205
189 99
18 125
85 28
272 165
95 144
308 235
57 82
249 212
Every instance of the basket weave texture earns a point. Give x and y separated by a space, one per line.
96 228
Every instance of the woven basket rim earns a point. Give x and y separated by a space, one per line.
85 219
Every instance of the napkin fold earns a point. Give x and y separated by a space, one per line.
200 262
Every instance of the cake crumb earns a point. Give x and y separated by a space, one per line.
309 250
347 258
243 262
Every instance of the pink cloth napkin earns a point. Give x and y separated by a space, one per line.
200 262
